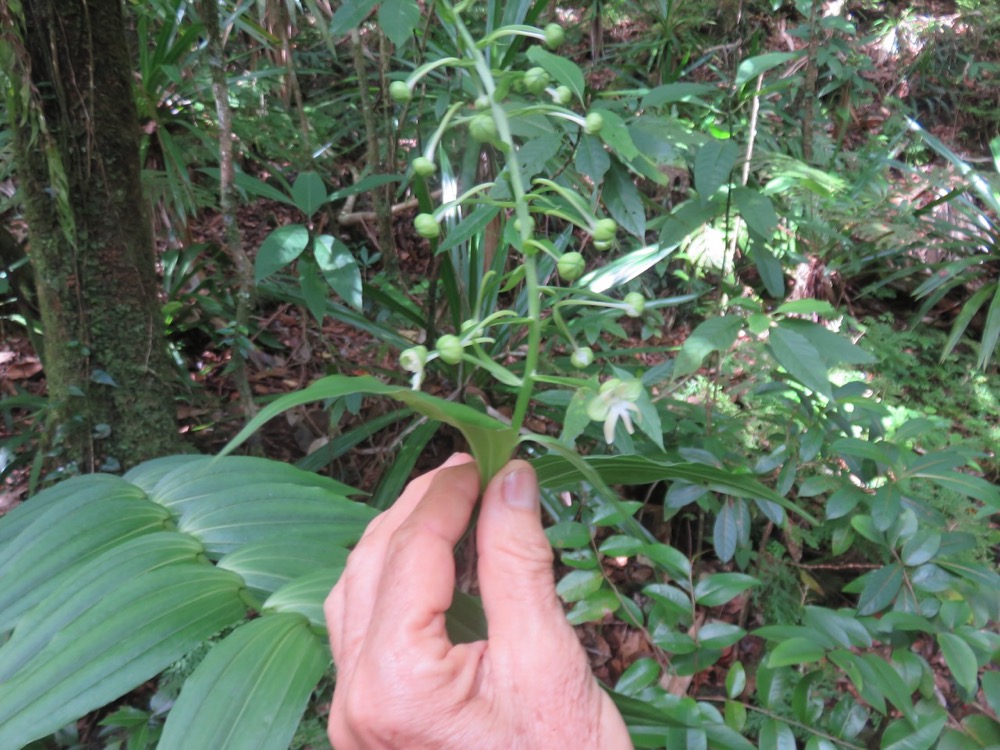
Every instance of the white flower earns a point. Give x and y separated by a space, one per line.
616 400
413 360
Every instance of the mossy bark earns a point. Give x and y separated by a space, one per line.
76 147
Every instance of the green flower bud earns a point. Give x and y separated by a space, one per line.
554 35
427 226
605 230
469 326
635 303
450 348
424 166
400 92
582 357
483 128
535 80
413 359
531 225
571 266
562 95
482 102
593 123
603 244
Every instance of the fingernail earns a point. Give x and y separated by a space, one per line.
520 490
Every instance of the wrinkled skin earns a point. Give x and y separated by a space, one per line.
401 684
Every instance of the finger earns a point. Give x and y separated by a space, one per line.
515 569
418 578
386 523
348 608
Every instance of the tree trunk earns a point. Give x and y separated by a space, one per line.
75 129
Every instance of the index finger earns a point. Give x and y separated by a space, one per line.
418 577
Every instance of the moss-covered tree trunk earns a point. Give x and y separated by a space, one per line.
73 115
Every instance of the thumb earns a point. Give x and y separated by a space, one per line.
515 567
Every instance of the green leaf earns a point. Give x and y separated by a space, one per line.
349 16
677 92
394 479
643 673
591 158
226 522
923 738
124 640
771 271
251 185
251 690
579 584
711 335
720 588
339 268
568 535
807 307
880 588
775 735
309 193
594 608
67 495
961 660
623 201
87 584
616 134
834 347
565 71
492 442
63 537
305 595
314 290
921 547
280 247
269 564
712 165
796 651
755 66
471 225
991 689
557 472
736 680
841 627
759 214
732 528
719 635
800 359
399 19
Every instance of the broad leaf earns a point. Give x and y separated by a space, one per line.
339 268
775 735
755 66
492 442
623 201
800 359
712 165
309 193
349 16
712 335
399 19
591 158
251 690
305 595
280 248
80 528
961 660
88 584
268 565
880 588
127 638
565 71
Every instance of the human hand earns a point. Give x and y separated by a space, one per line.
402 685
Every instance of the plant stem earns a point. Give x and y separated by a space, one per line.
521 208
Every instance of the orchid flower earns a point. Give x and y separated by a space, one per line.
616 400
